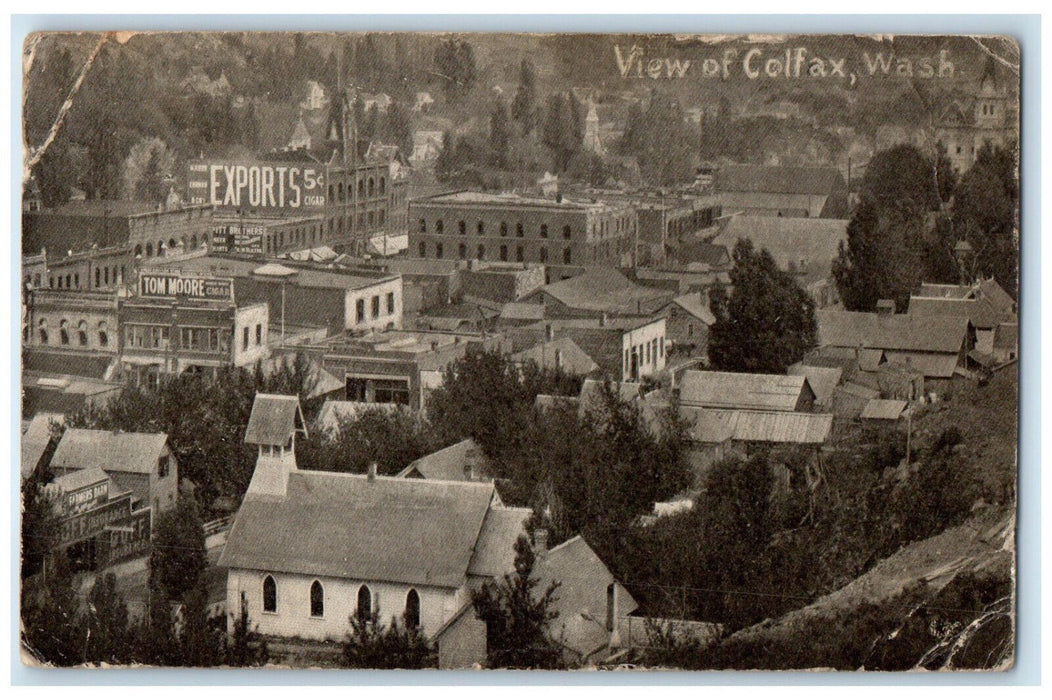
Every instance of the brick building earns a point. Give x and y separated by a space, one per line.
513 228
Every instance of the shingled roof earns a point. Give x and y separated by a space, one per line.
135 453
777 426
274 420
980 312
803 246
782 179
409 531
451 463
606 290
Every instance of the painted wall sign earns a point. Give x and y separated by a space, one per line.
87 498
238 238
171 286
257 185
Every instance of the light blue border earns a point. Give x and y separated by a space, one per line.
1025 28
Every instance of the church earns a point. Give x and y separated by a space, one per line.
310 549
987 115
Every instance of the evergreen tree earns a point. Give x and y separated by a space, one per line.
201 641
890 231
524 105
767 323
371 644
559 132
499 133
53 630
178 558
247 647
455 65
108 634
517 616
40 525
985 214
397 129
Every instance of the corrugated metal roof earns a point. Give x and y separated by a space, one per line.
274 419
883 409
776 392
855 329
780 426
136 453
411 531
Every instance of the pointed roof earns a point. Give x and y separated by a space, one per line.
774 392
274 420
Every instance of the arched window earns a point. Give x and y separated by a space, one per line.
544 230
544 254
412 609
463 250
98 277
138 251
171 244
63 332
518 254
504 228
481 227
423 226
104 336
149 250
439 226
438 250
160 248
383 185
504 253
317 600
106 276
372 187
462 227
42 325
270 595
423 249
365 603
518 229
82 333
482 252
361 188
567 256
566 231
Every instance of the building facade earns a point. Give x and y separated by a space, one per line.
513 228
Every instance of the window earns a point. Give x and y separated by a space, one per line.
422 249
462 227
504 228
518 229
481 227
317 600
544 254
544 230
162 467
98 277
105 276
463 251
383 185
439 226
63 332
566 231
412 609
376 306
372 187
76 280
365 603
42 326
504 253
390 303
104 336
270 595
138 251
244 338
423 226
567 256
359 310
391 391
438 250
518 254
259 334
482 252
82 332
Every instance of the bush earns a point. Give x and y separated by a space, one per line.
370 644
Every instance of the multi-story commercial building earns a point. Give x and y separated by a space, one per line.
513 228
180 323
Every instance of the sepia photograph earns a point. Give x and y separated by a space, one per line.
549 351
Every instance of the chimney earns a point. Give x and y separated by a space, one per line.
372 471
612 623
540 542
885 307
